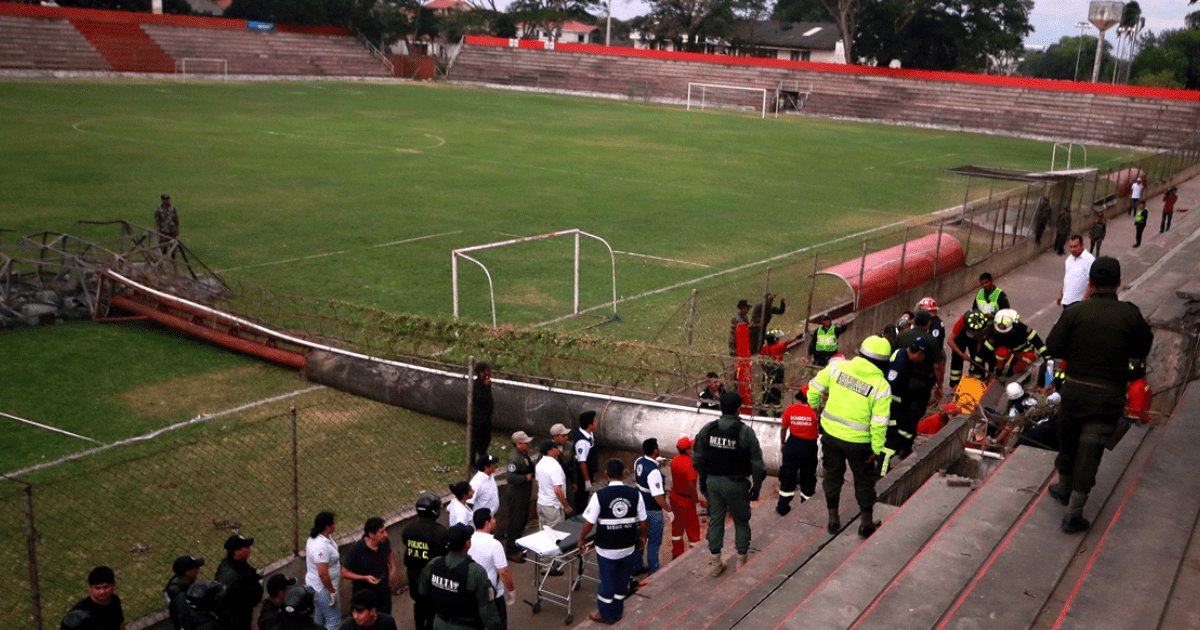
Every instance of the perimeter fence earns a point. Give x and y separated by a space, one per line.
264 473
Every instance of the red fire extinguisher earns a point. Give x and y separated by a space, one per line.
1137 401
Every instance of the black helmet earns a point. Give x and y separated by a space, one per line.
429 505
203 594
77 620
298 602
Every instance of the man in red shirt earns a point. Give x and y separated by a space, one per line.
798 439
683 499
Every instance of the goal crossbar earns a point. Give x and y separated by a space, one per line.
704 88
463 252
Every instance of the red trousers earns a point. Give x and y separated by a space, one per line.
1018 363
685 520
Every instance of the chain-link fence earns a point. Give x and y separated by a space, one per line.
265 474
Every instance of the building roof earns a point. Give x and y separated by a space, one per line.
446 5
570 26
806 35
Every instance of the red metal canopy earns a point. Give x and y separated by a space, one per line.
882 274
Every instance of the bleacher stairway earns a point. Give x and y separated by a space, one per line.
125 46
958 556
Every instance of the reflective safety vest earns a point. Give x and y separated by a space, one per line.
859 405
985 303
827 339
1139 216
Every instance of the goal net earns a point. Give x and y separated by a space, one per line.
705 95
209 66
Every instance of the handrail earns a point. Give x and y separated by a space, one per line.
378 54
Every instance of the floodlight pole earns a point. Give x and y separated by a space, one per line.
608 24
1082 26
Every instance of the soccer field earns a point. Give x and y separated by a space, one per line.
358 192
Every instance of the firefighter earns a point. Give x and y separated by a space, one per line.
966 344
683 498
854 419
798 442
1015 345
936 328
772 370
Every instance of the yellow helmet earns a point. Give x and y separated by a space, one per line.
876 348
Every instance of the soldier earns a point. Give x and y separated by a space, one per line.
186 569
618 514
729 461
588 459
855 420
520 493
424 539
243 586
457 587
1097 338
166 222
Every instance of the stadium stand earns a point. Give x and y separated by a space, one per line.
1123 115
33 37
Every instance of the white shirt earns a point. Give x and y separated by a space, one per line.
549 473
488 553
321 550
1136 190
460 514
582 448
592 513
487 495
655 478
1075 277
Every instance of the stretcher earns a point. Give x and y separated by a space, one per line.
556 553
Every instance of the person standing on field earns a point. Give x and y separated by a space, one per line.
166 222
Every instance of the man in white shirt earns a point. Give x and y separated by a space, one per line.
552 503
1075 273
488 553
487 495
1135 192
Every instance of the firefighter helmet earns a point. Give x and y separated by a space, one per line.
928 304
1015 391
774 335
1006 318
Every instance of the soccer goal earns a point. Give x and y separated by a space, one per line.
464 254
1069 148
203 65
704 95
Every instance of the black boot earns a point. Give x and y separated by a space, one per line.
1061 490
783 506
867 523
835 522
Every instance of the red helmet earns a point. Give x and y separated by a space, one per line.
928 304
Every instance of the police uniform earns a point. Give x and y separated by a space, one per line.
618 512
854 420
990 302
649 481
729 460
424 539
580 500
799 460
1096 338
910 396
243 590
460 593
824 343
520 493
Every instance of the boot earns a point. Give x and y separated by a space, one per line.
742 559
867 523
1061 490
715 565
1074 522
783 506
835 522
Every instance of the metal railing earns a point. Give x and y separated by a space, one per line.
378 54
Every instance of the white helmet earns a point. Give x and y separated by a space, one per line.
1015 391
1005 319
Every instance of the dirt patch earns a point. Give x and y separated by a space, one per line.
186 397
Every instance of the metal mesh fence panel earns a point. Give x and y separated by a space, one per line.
16 590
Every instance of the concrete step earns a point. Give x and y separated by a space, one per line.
836 585
928 585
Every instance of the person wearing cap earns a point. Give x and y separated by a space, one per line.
908 376
1075 272
729 462
742 317
990 297
424 539
519 494
928 375
489 553
618 515
1062 229
1097 338
270 615
166 222
483 484
854 402
1097 232
683 498
365 614
1141 216
561 435
370 565
482 407
649 481
798 447
823 343
552 503
587 459
243 584
102 602
185 570
323 569
458 588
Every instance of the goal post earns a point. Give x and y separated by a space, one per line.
701 95
464 254
203 65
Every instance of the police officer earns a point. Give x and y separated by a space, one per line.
298 604
202 599
1097 338
186 569
798 439
458 587
908 377
270 615
649 482
730 464
243 585
424 539
854 420
618 513
928 375
824 341
520 493
587 458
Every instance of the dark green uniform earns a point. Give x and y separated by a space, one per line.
729 460
520 493
1096 338
176 601
243 590
462 596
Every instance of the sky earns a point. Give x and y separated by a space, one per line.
1051 19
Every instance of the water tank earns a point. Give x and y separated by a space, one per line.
1105 15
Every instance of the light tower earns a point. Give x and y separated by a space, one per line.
1103 15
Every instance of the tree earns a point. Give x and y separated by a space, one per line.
549 15
962 35
1174 54
845 15
690 23
175 7
1058 60
789 11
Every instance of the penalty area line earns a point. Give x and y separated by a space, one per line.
338 252
49 428
673 260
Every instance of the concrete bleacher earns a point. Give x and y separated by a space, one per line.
46 44
1037 111
126 46
279 53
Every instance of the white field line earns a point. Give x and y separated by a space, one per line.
718 274
204 417
674 260
339 252
437 142
1153 270
48 427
